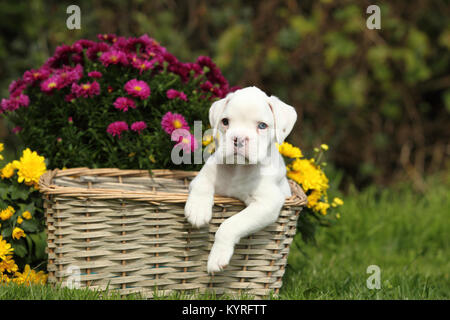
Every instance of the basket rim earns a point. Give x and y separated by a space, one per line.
47 187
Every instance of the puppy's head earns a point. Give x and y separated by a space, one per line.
246 124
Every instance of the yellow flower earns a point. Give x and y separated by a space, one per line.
207 139
29 276
8 265
18 233
4 278
2 147
322 207
288 150
26 215
19 220
324 147
30 167
131 154
313 198
338 215
210 148
7 171
337 202
7 213
152 158
5 249
308 175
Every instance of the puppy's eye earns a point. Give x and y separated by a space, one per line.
262 125
225 121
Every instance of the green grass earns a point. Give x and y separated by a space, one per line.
405 233
45 292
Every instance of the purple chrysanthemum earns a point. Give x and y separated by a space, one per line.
86 90
95 74
172 121
113 57
138 126
116 128
123 103
137 88
173 94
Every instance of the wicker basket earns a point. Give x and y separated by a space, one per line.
126 230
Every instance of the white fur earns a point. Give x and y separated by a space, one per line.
259 180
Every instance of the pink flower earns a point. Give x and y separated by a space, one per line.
32 76
133 58
172 121
84 43
50 84
142 65
16 130
138 126
96 49
113 57
68 75
172 94
14 103
186 140
116 128
70 120
107 37
17 86
62 55
69 97
86 90
95 74
123 103
138 89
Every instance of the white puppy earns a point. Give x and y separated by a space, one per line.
246 166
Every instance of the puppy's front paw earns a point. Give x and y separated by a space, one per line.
219 257
198 210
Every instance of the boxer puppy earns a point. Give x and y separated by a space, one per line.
246 165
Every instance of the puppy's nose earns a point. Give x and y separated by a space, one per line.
239 142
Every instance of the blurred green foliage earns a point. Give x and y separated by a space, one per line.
379 98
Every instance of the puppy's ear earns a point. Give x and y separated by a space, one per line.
216 111
284 116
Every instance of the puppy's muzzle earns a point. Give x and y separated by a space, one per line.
240 144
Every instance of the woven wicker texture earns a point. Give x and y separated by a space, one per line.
126 230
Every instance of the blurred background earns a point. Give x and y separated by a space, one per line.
379 98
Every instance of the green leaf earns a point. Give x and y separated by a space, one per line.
19 192
29 242
20 249
4 192
7 232
40 244
30 226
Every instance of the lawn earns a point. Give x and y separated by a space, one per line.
402 232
